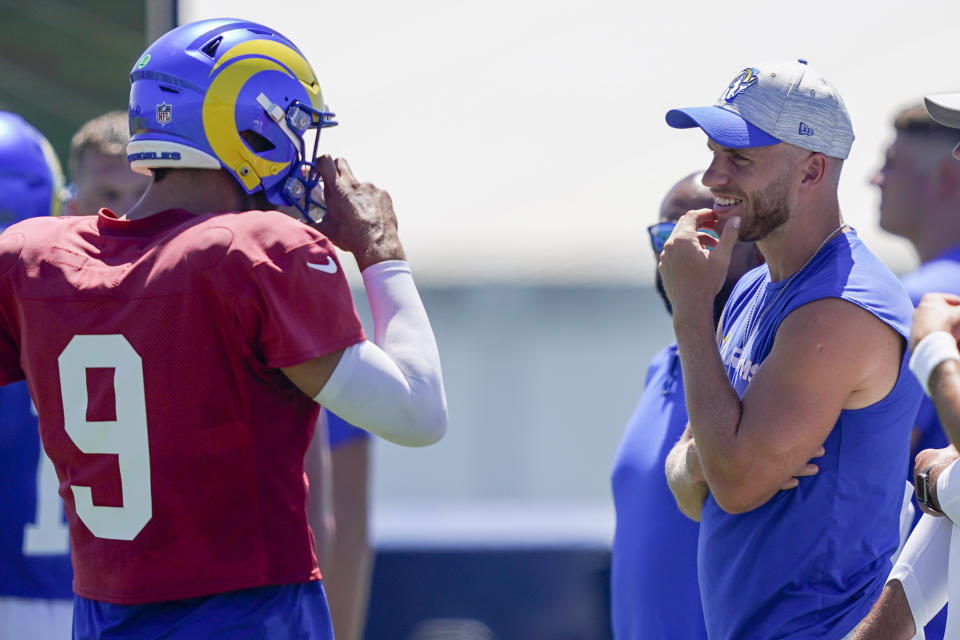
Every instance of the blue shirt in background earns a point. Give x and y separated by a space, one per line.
339 431
34 544
654 587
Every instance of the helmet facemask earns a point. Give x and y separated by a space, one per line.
302 188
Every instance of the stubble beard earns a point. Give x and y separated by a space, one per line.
770 210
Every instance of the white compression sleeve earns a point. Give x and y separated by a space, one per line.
392 387
907 512
922 568
948 491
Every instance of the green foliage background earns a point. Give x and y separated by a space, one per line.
64 62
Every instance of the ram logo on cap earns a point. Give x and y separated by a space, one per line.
741 83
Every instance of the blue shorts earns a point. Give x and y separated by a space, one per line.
274 612
339 431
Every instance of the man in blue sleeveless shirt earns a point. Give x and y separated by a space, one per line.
811 362
35 596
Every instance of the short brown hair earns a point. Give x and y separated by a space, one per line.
107 134
915 119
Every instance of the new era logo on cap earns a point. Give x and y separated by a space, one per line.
773 102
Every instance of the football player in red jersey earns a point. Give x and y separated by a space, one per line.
101 177
178 354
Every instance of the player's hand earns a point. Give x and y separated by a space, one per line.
693 264
360 217
936 460
936 312
808 469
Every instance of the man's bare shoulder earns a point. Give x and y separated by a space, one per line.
844 344
837 315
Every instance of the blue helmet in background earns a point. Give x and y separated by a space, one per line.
30 174
229 94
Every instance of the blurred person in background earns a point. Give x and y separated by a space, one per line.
36 599
920 171
348 563
654 589
99 172
919 186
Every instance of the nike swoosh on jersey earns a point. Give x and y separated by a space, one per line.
330 267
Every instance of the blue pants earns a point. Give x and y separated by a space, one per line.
263 613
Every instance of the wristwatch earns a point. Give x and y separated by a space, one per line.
924 495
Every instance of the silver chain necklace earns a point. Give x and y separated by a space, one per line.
747 337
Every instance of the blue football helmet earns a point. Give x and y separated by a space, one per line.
229 94
30 174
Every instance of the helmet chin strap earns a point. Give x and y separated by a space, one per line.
293 188
278 115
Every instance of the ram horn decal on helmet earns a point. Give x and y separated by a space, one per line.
234 95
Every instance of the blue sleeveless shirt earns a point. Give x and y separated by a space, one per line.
811 561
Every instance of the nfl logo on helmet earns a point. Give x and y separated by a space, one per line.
164 114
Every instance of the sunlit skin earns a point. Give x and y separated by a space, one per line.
106 181
750 184
764 187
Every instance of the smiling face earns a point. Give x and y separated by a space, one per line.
754 184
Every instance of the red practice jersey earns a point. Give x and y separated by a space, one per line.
152 350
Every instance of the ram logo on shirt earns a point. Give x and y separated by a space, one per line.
742 366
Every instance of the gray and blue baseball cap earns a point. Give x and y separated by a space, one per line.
777 101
